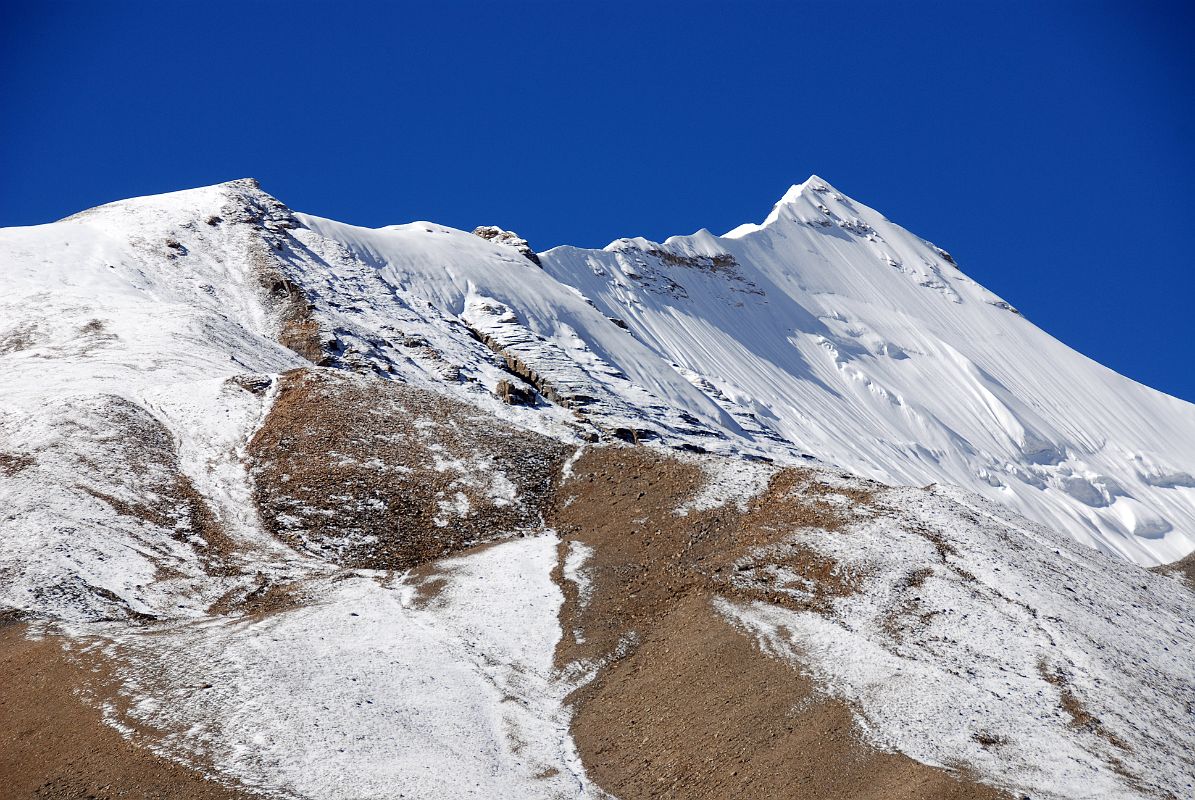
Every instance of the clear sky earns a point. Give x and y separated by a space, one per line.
1048 145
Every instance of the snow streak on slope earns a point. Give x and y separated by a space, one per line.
849 337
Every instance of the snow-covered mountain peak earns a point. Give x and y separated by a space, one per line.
813 183
185 204
825 331
803 202
827 324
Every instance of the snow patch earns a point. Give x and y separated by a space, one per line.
370 688
574 570
726 480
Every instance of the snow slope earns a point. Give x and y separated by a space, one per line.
368 688
117 418
979 638
859 342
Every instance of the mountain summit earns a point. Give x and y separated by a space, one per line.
845 336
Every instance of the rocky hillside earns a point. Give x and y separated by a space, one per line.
297 509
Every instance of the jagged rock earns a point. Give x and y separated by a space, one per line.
508 238
515 395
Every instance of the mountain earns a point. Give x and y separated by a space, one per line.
296 508
854 340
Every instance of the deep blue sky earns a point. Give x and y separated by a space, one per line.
1047 145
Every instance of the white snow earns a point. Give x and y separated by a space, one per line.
728 479
854 340
369 691
213 421
574 571
566 470
67 552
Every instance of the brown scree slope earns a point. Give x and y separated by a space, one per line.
690 707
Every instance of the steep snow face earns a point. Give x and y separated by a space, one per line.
467 287
845 335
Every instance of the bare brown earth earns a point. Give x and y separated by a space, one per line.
54 745
687 706
1183 569
358 470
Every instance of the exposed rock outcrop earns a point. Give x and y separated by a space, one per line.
508 238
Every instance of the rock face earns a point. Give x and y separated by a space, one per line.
509 238
294 508
515 394
373 474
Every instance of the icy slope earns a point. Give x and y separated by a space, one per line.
862 343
